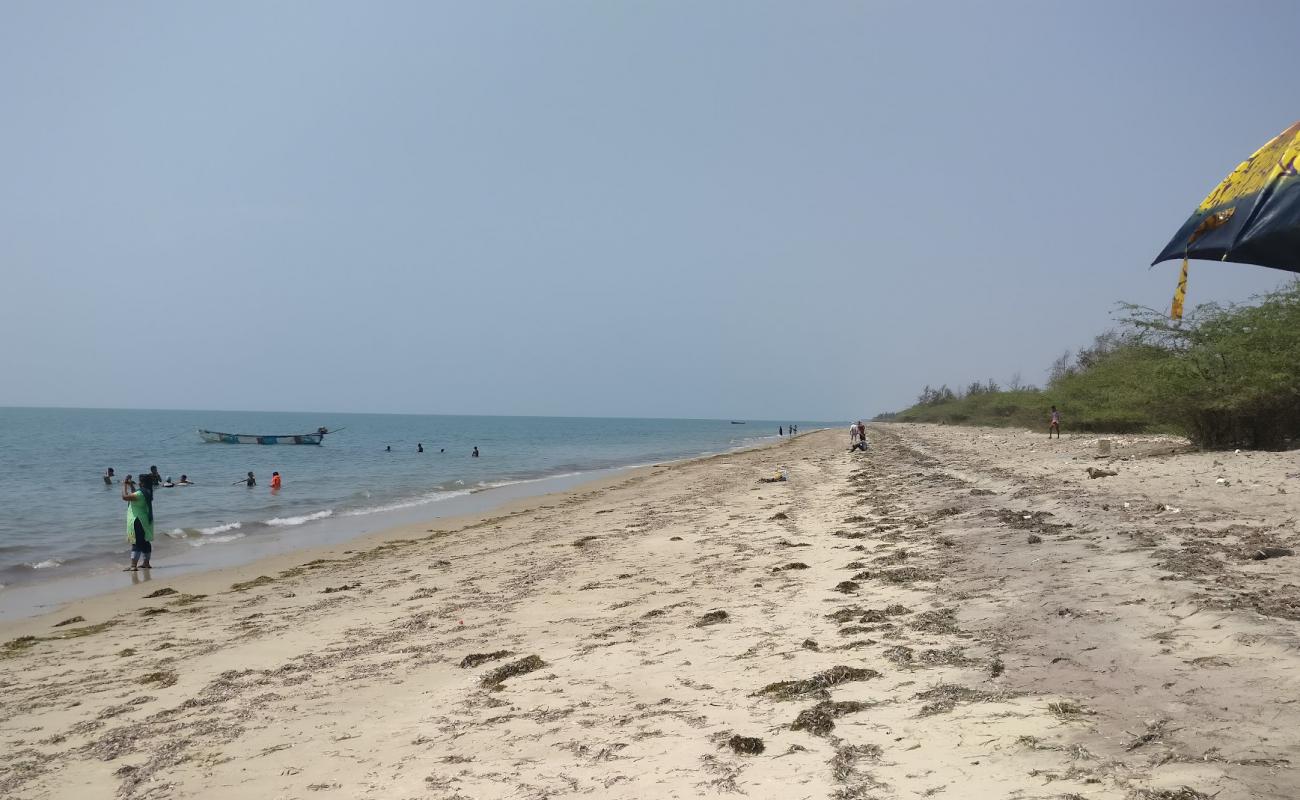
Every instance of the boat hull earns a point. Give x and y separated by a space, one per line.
217 437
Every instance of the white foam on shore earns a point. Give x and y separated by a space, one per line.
214 539
284 522
412 503
52 562
215 529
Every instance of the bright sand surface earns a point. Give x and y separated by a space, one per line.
959 613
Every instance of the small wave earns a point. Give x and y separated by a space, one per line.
187 533
215 529
281 522
412 503
216 539
52 562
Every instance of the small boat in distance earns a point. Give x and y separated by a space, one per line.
733 422
251 438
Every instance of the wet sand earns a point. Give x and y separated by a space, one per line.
959 612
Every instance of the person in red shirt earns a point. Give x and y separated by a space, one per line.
275 481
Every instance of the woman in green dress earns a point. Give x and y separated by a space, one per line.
139 520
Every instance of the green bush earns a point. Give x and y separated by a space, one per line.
1226 376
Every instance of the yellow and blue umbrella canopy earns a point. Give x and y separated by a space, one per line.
1252 217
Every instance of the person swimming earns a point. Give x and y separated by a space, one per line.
168 482
185 481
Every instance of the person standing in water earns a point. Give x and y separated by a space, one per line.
108 477
1054 424
475 453
250 481
139 520
419 448
275 481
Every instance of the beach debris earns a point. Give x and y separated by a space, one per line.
945 697
475 659
1261 554
675 539
347 587
809 644
69 621
153 612
162 679
820 719
1035 539
780 515
711 618
1096 472
582 542
847 587
1156 730
1223 482
853 519
163 592
905 575
260 580
1181 793
523 666
790 566
1067 709
996 667
746 745
982 492
942 620
844 769
785 543
817 684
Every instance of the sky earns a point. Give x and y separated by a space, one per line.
674 209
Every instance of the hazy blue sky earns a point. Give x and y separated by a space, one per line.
722 209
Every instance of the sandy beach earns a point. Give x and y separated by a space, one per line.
960 612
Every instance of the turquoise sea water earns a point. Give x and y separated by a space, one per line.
61 519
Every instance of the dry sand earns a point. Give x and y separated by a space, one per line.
959 613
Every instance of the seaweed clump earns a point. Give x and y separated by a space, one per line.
746 745
475 659
820 719
817 684
711 618
523 666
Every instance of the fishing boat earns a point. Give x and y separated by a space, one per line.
734 422
252 438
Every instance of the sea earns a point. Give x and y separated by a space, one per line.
62 521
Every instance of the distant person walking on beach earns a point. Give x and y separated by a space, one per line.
475 453
853 434
1055 424
139 520
275 481
780 431
108 477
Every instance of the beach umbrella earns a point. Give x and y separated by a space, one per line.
1252 217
